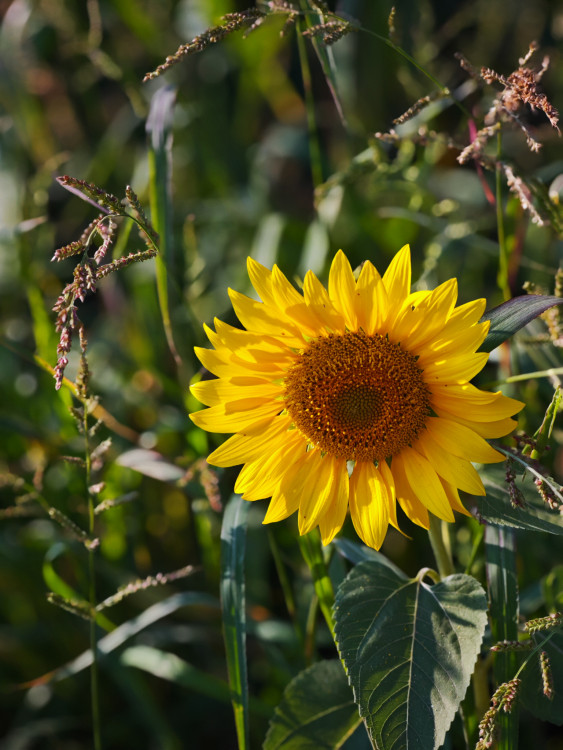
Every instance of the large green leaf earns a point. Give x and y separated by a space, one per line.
317 711
496 507
233 604
409 649
513 315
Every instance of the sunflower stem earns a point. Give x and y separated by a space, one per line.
313 555
439 539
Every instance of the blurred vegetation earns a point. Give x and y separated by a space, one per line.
73 102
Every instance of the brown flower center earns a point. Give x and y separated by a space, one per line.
356 396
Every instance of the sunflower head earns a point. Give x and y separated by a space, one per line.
354 397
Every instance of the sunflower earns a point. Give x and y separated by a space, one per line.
356 397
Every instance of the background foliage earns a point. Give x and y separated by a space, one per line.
73 102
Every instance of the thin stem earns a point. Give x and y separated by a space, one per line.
440 546
285 584
94 688
549 373
502 277
313 555
314 146
400 51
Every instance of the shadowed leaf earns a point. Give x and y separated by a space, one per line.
317 711
511 316
409 649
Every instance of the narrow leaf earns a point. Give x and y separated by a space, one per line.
127 630
409 649
233 549
502 586
159 130
317 711
496 507
513 315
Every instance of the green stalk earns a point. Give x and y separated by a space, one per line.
313 555
502 277
94 686
439 539
314 146
159 129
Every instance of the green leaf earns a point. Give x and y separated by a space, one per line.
531 692
317 711
502 588
129 629
233 603
358 553
168 666
409 649
160 134
496 508
513 315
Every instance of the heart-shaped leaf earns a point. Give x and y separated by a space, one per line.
513 315
409 649
317 711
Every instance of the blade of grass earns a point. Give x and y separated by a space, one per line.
233 549
325 56
159 130
502 587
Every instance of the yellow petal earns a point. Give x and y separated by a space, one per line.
369 503
423 323
458 439
453 498
370 299
259 479
397 277
490 430
467 407
251 346
247 445
452 343
425 484
318 301
261 279
285 499
406 497
342 288
218 419
222 391
469 313
314 501
389 479
330 522
260 318
453 469
455 369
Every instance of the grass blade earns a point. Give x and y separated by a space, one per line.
233 549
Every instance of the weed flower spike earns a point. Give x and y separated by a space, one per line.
353 397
